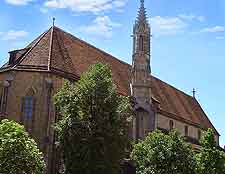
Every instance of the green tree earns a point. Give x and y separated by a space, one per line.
159 153
93 132
18 152
211 160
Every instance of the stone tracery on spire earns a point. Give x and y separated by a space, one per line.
142 16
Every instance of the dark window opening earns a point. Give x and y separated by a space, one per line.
141 43
3 99
199 134
171 124
186 130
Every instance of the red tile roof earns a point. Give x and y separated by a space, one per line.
59 52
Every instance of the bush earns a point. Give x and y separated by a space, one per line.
18 152
159 153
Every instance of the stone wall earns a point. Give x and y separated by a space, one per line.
163 122
43 86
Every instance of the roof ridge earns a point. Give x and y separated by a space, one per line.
50 48
31 48
85 42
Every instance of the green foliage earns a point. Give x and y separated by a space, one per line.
18 152
210 159
159 153
93 132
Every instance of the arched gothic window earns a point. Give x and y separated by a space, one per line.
28 104
4 96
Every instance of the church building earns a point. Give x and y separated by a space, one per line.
34 74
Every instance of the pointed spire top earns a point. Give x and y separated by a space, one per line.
143 3
142 16
53 21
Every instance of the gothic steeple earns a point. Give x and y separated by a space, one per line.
142 33
141 74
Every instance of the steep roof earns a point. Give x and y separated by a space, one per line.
59 52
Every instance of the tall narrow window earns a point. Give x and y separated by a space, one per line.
199 134
141 43
186 130
171 124
4 97
28 104
28 107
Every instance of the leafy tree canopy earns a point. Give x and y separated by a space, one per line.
159 153
93 132
211 160
18 152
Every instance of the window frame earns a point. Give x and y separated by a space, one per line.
28 122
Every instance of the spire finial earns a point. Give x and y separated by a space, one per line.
194 92
53 21
142 2
142 12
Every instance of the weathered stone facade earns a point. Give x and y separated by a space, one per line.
43 87
31 77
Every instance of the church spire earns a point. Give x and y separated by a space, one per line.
141 32
142 16
141 74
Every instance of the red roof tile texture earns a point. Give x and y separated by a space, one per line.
58 51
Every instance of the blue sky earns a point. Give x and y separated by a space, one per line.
187 45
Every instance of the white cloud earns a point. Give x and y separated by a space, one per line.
44 10
14 35
192 17
220 37
201 18
93 6
216 29
167 25
187 16
18 2
102 26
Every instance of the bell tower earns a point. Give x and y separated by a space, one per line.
141 75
